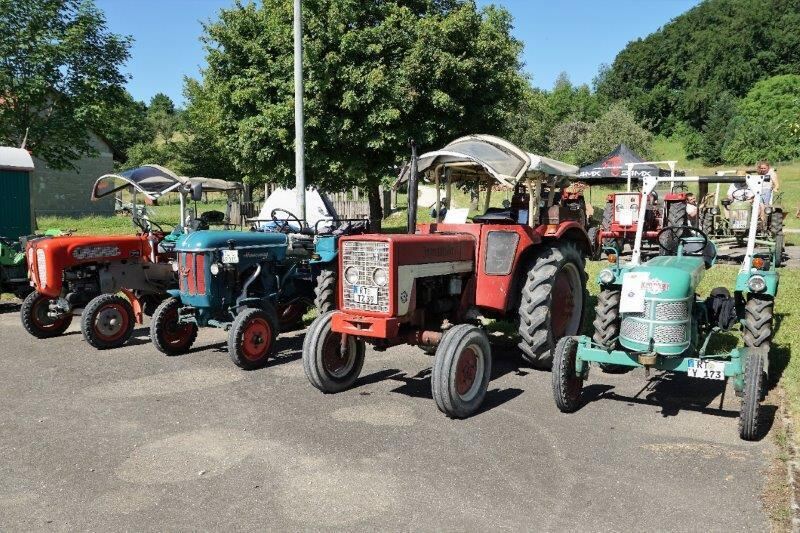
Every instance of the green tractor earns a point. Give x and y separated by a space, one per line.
649 315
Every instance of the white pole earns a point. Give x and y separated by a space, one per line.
299 142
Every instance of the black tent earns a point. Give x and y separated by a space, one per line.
613 168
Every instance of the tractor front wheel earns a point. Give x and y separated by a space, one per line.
755 379
107 322
332 364
36 320
707 222
594 240
251 340
325 291
168 335
757 326
606 326
461 371
567 385
776 228
553 299
676 217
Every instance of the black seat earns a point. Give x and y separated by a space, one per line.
495 215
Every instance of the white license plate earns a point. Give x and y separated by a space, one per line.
230 257
365 295
706 369
739 224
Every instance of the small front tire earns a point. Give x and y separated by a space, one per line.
567 385
755 379
461 371
35 319
168 336
251 340
107 321
328 367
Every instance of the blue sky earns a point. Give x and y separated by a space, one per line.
573 36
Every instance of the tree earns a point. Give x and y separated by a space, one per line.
765 126
123 123
530 124
59 70
162 117
376 73
716 131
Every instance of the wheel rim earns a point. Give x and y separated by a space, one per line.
290 314
566 302
336 363
39 314
256 339
175 334
469 372
111 322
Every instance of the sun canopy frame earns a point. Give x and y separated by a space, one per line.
154 181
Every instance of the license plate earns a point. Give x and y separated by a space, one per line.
365 295
706 369
230 257
739 224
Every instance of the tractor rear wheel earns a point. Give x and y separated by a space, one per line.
168 336
553 300
776 228
567 385
325 291
605 225
606 326
755 379
757 326
251 340
594 241
35 319
461 371
331 365
676 217
707 222
107 322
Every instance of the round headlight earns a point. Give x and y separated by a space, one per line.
175 266
606 276
351 275
380 277
214 268
757 284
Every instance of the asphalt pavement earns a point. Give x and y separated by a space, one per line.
130 439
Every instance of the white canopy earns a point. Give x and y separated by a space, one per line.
15 159
478 156
318 207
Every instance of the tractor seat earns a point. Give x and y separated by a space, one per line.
495 215
695 248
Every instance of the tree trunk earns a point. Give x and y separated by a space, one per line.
375 210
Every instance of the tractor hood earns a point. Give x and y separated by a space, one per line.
672 277
200 241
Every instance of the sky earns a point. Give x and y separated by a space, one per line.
572 36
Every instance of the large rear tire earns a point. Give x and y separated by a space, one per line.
553 301
755 379
251 340
107 321
168 336
328 367
35 319
757 326
325 291
567 385
461 371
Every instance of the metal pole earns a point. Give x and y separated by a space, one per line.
299 142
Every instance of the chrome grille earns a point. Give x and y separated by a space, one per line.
670 334
665 322
672 310
365 257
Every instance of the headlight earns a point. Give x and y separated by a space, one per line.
606 276
351 275
175 266
757 284
41 266
214 268
380 277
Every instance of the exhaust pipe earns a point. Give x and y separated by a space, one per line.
412 189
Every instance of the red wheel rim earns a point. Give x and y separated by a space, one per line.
466 370
290 314
174 334
256 339
111 322
39 314
562 307
336 362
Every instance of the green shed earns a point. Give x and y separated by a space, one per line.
16 214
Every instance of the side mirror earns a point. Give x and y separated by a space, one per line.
196 192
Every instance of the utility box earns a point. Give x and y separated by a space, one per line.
16 213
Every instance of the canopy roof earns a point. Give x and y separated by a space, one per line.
15 159
613 168
482 156
155 181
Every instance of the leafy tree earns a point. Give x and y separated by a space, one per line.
766 125
59 72
530 124
565 138
716 131
376 73
123 123
162 117
678 73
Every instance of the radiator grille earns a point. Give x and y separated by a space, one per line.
192 273
665 322
365 257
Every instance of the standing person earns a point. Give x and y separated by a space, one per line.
765 169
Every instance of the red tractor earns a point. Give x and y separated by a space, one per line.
112 280
433 287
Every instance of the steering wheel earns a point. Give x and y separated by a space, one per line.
283 224
677 233
740 195
147 225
